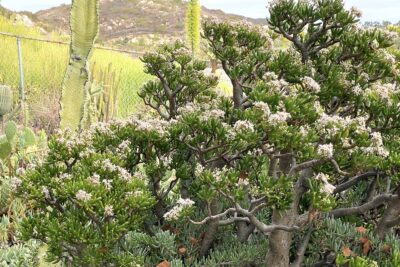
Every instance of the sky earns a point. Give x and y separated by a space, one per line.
373 10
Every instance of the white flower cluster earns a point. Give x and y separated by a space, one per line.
107 184
152 124
392 35
276 2
357 90
270 76
318 108
327 187
304 130
356 12
198 170
377 147
263 107
108 165
108 211
175 212
87 152
94 179
279 118
255 152
243 125
188 108
15 183
325 151
124 146
330 125
65 176
311 85
101 127
83 196
389 57
213 113
46 192
376 139
383 91
277 86
242 182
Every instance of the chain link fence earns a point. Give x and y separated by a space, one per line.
35 68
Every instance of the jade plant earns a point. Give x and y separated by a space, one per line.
309 135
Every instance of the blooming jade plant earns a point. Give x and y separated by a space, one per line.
307 129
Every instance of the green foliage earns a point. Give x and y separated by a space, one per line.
209 179
354 246
181 80
23 255
234 253
6 100
193 25
151 249
93 194
84 22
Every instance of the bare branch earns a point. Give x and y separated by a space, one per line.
262 226
337 168
305 165
302 248
214 217
377 201
354 180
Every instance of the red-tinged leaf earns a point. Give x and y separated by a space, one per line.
366 245
361 230
164 264
347 252
194 241
386 248
182 250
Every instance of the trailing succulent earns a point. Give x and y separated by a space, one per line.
310 135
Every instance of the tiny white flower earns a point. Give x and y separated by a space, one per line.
325 151
15 183
107 183
83 195
108 211
263 107
94 179
311 85
243 125
279 117
327 187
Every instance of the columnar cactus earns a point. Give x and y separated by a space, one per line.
5 100
76 85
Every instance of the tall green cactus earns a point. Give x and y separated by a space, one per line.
5 100
84 21
193 25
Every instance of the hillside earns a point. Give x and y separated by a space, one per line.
136 23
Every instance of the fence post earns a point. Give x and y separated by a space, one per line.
21 79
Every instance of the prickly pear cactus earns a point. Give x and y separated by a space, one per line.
5 100
10 130
15 139
28 138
